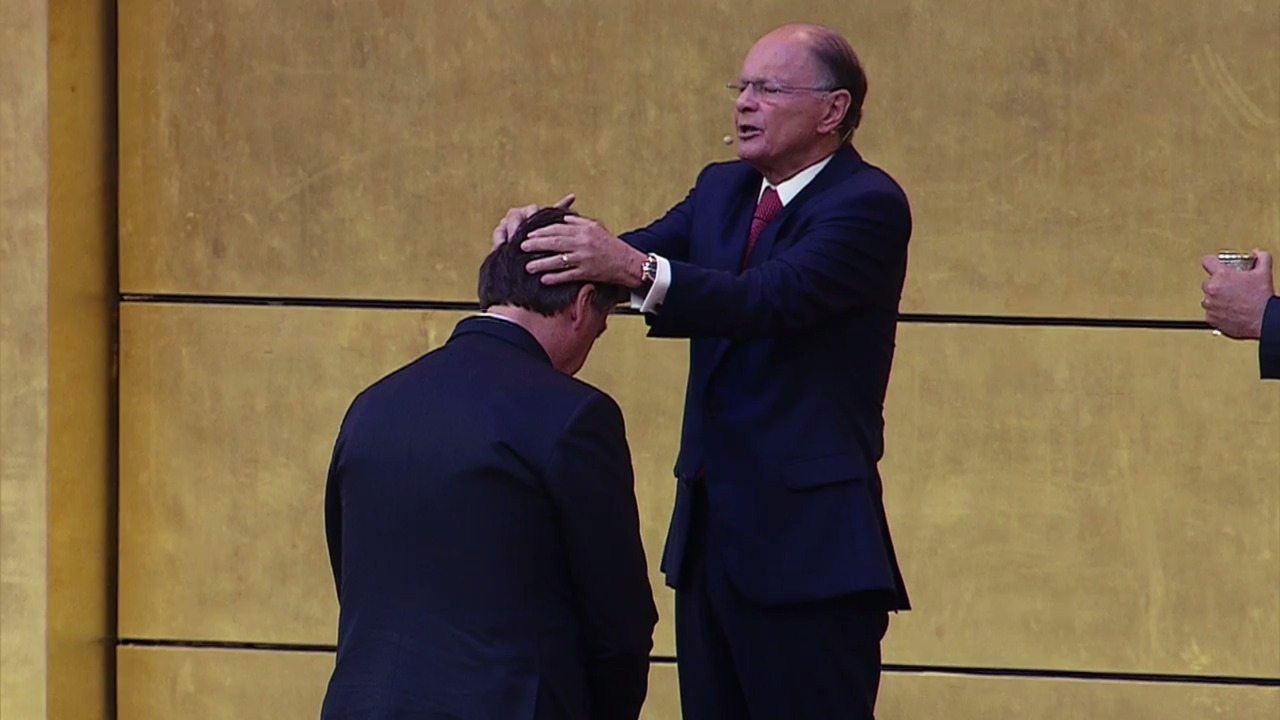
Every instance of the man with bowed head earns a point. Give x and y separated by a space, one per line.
785 270
482 523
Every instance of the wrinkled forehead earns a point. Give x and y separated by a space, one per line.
783 60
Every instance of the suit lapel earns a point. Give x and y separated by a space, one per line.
732 242
843 164
730 246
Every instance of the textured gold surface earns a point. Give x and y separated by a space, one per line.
373 152
1076 160
1096 499
82 252
1062 159
949 697
228 417
663 700
1062 498
24 356
170 683
164 683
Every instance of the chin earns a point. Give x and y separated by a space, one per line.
751 150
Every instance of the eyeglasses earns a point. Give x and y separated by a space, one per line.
767 90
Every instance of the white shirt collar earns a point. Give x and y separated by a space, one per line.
788 189
496 315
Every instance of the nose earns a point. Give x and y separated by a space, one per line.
746 100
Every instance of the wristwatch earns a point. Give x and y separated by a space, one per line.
649 270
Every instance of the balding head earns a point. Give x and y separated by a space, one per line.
843 70
801 97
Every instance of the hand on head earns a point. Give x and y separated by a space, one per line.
584 250
581 249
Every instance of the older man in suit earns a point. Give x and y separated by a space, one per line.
482 522
785 269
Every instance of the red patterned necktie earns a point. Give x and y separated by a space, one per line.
766 210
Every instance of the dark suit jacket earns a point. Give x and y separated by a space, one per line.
1269 345
485 544
789 363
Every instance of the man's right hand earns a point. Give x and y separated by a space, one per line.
1236 300
511 221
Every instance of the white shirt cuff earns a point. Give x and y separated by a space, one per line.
657 292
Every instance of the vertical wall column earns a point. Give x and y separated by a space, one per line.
57 330
24 354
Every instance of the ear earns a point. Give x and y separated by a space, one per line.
837 107
580 309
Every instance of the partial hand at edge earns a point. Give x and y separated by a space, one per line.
1234 300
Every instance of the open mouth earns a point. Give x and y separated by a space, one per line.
746 132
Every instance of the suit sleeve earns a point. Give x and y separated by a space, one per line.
333 515
333 502
592 484
669 235
1269 343
850 252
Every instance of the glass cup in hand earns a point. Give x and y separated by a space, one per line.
1240 261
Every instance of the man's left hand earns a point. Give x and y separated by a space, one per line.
1235 300
585 251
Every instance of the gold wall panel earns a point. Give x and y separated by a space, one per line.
82 249
228 417
1093 499
24 358
950 697
301 148
372 152
1048 146
1078 499
167 683
211 684
663 700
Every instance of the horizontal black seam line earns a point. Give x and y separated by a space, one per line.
321 302
1157 678
1032 321
1029 673
225 645
465 306
266 646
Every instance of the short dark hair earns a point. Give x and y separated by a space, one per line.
504 280
840 63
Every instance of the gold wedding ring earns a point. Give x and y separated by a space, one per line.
564 259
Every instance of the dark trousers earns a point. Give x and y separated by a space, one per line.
738 660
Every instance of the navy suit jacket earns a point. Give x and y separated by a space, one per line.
789 363
1269 344
485 542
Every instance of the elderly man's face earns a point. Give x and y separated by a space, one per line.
778 113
